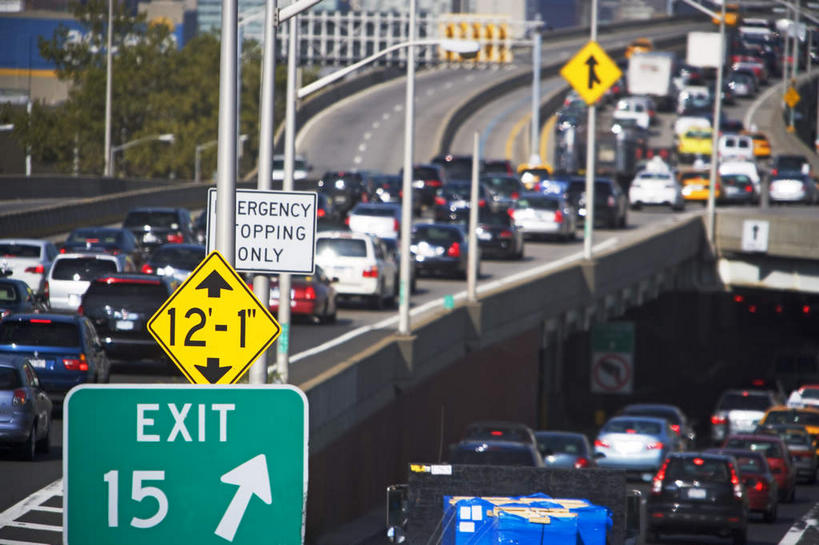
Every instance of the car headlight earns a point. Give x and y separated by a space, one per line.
339 184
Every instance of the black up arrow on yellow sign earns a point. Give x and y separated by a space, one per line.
591 72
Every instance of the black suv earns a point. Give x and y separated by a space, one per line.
155 226
610 202
698 493
120 305
344 189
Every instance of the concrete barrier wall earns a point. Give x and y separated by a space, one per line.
407 399
70 187
789 235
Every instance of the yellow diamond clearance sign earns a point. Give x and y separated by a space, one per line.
213 327
792 97
591 72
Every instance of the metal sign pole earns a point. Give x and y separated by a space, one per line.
712 176
283 346
534 137
261 282
591 142
472 252
226 158
108 84
406 199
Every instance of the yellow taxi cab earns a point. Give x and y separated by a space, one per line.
762 146
531 175
781 415
695 185
695 141
640 45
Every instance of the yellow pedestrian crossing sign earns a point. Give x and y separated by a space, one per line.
591 72
792 97
212 326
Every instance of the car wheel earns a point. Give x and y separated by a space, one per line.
29 448
792 494
636 206
740 536
44 444
771 514
377 301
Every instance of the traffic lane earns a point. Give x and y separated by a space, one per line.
20 478
759 532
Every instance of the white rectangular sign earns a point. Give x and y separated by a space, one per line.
704 49
755 235
275 230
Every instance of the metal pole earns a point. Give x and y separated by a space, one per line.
712 176
226 154
108 83
283 344
591 141
472 252
28 146
807 53
794 61
406 200
816 141
534 137
239 37
197 165
261 282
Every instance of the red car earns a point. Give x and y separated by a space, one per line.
779 459
311 295
760 483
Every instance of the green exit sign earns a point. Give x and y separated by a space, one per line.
157 464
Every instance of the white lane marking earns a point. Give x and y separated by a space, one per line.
430 92
438 302
34 500
751 112
35 526
385 116
448 85
13 542
357 159
470 77
362 147
47 509
398 107
368 135
376 124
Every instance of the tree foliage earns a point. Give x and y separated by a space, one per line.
156 88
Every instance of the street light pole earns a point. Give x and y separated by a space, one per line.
712 176
167 137
109 169
283 344
588 224
261 282
534 136
795 58
226 153
404 327
472 240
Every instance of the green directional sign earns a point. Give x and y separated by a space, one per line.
170 464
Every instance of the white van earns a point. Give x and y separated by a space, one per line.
736 146
71 274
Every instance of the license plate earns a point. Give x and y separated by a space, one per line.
696 493
418 184
340 198
149 237
485 236
124 325
629 447
37 363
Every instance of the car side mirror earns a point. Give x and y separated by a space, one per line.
334 279
598 455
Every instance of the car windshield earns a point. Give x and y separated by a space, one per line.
8 294
627 425
82 268
180 258
425 173
458 168
689 176
749 464
492 456
769 449
796 439
497 433
735 179
19 250
810 393
804 418
39 332
501 184
698 469
670 415
9 378
537 203
341 247
698 134
498 219
785 163
560 444
377 211
126 290
744 401
436 235
154 219
93 237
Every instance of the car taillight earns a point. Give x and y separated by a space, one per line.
62 250
581 462
482 203
321 213
506 234
440 201
76 364
676 428
511 212
347 221
19 398
80 310
310 293
371 272
454 250
601 443
46 292
558 216
655 445
147 269
748 188
774 172
175 238
657 483
39 269
738 491
515 195
395 225
434 183
610 201
717 420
